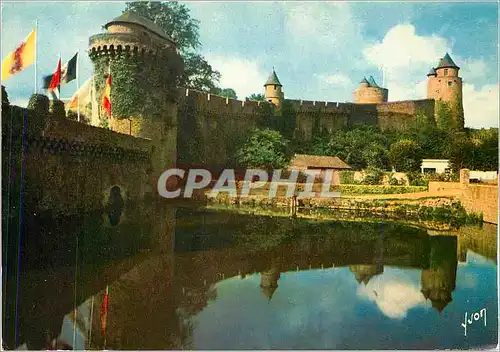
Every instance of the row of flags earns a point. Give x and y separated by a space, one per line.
25 55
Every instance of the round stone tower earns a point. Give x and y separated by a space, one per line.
144 66
444 84
273 92
369 92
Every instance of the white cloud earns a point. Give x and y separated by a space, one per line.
472 69
393 298
402 50
481 105
243 75
338 79
407 57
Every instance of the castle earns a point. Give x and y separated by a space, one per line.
194 127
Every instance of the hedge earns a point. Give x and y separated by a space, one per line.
379 189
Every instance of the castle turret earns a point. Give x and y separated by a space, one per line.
369 92
438 281
273 89
144 65
444 84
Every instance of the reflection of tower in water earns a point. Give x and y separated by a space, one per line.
438 281
269 282
364 273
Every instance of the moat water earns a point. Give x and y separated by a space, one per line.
183 278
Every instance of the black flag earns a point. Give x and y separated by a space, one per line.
68 71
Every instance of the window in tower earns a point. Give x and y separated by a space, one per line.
450 83
446 72
274 87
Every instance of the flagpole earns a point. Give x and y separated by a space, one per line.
78 83
58 96
36 55
111 107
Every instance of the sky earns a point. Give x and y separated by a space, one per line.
320 50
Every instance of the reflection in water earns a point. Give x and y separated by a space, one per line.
115 205
181 280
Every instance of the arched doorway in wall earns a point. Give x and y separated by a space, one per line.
115 205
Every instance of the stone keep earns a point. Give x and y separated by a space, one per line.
144 66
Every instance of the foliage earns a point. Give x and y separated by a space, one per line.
283 122
376 156
73 116
265 148
174 18
5 98
39 103
417 179
56 107
485 149
352 146
198 73
448 117
405 155
224 92
379 189
347 177
461 153
131 95
373 176
258 97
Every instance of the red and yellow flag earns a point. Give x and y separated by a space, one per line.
106 98
20 58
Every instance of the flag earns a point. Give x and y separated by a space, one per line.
81 97
22 57
104 313
106 98
68 71
52 82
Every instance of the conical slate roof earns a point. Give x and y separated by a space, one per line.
364 80
432 72
273 80
372 82
135 18
446 61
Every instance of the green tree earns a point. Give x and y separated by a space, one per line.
264 148
376 156
224 92
485 149
461 152
174 18
257 96
405 155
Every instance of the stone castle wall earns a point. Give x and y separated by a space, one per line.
67 167
210 126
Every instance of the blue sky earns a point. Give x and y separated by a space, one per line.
320 50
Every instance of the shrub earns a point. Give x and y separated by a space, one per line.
373 176
393 181
417 179
406 155
379 189
347 177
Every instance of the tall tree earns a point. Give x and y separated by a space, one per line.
176 21
224 92
264 148
256 96
405 155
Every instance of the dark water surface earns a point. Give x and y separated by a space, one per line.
197 279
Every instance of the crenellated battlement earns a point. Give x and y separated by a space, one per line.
204 101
